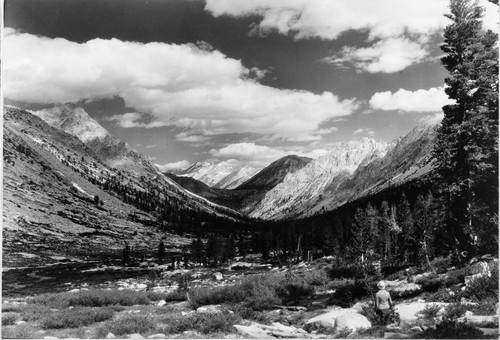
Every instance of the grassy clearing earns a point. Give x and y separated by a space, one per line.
127 325
92 298
76 317
205 323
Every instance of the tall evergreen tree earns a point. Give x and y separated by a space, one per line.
466 147
407 241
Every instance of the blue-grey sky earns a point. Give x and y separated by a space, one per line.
188 80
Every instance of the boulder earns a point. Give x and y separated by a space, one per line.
393 335
416 329
471 278
326 320
157 336
409 311
480 267
218 276
275 330
493 332
135 336
110 336
478 319
352 321
209 309
252 331
161 303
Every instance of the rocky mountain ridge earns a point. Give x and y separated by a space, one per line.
227 174
349 172
61 197
308 183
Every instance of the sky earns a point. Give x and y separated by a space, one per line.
187 80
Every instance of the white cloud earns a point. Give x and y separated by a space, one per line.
166 84
175 165
430 100
386 56
387 22
433 119
369 132
261 155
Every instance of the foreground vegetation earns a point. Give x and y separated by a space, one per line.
95 313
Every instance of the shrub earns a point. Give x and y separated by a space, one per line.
346 295
441 264
127 325
204 323
453 330
348 272
257 292
76 317
429 312
317 277
25 331
92 298
34 312
454 311
484 287
450 295
430 283
8 319
248 313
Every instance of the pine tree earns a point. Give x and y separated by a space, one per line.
466 147
425 224
404 219
361 237
161 251
197 250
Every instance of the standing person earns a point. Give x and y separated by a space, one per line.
383 303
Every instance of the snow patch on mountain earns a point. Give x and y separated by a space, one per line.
226 174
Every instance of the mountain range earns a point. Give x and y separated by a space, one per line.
70 185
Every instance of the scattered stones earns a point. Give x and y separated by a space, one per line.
161 303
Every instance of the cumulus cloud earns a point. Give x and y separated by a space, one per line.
261 155
430 100
386 56
369 132
328 19
175 165
188 86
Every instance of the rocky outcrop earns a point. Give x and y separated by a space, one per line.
339 320
275 330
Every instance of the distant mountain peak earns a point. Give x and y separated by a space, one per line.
74 120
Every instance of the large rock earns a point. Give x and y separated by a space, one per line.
408 311
209 309
157 336
326 320
352 321
480 267
478 319
275 330
252 331
218 276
